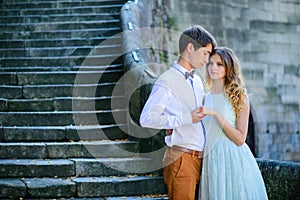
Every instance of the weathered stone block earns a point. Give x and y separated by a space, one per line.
8 78
3 105
295 156
47 91
63 118
12 188
12 43
105 117
22 150
36 118
119 186
112 166
232 12
1 134
251 14
114 149
294 19
91 149
11 92
40 78
272 26
50 187
30 105
93 90
85 104
65 150
37 168
105 132
22 133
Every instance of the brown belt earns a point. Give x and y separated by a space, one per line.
189 151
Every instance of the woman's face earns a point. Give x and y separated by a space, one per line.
215 68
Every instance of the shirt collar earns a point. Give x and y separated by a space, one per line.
180 68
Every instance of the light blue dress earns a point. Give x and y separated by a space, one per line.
229 172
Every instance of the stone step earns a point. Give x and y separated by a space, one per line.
37 188
69 10
61 51
56 34
28 19
90 167
21 168
117 186
62 90
65 77
63 118
55 4
51 26
63 104
116 66
60 42
95 187
88 60
81 167
142 197
7 13
62 133
58 150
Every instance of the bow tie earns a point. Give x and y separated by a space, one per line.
189 74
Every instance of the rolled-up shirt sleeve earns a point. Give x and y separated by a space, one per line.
162 110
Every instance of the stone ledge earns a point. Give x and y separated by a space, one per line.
282 179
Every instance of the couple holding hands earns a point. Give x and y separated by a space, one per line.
206 155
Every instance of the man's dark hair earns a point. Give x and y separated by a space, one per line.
198 36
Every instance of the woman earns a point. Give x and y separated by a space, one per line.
230 171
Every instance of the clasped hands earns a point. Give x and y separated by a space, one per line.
197 115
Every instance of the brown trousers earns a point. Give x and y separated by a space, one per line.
181 174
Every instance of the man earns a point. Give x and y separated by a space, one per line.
174 103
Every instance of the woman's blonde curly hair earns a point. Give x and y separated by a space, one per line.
233 82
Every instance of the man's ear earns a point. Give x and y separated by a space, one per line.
190 48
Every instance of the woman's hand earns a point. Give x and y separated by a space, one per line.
197 116
207 111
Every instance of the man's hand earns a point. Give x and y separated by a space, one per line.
197 115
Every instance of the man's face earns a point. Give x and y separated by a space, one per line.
199 57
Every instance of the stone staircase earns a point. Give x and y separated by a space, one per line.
59 135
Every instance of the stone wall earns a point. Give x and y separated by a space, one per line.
281 178
265 36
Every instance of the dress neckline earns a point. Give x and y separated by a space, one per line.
217 93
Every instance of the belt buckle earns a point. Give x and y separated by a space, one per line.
197 153
193 153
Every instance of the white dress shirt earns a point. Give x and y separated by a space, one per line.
169 106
